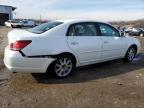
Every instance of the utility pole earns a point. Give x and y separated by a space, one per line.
40 18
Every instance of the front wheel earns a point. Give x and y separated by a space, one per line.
131 52
63 66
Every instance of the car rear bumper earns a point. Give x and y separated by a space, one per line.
15 62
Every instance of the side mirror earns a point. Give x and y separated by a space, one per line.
122 33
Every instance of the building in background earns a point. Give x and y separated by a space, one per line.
6 13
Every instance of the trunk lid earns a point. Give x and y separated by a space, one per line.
18 34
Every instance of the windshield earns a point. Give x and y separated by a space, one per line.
44 27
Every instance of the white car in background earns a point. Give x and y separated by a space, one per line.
28 23
60 46
13 23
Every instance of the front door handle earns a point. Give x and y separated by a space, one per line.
74 43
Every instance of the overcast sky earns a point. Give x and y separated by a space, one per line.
105 10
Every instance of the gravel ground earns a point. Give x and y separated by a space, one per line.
112 84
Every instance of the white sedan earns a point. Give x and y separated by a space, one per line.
13 23
60 46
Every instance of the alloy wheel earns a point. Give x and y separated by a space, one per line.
131 54
63 67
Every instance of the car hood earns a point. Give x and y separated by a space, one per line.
132 40
127 36
130 37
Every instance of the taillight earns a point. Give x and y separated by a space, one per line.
18 45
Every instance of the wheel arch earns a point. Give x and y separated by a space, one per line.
61 54
133 45
68 54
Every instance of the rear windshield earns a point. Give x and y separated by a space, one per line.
44 27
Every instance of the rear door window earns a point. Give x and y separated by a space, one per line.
83 29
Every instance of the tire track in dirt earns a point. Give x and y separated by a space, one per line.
4 76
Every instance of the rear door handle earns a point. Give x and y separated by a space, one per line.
105 42
74 43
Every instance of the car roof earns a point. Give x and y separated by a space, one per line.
70 21
73 21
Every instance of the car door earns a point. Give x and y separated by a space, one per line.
114 45
84 40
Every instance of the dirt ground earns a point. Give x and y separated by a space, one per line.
112 84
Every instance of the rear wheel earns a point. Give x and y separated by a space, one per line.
63 66
131 52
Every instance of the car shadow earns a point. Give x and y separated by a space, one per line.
94 72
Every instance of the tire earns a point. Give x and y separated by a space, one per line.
63 67
141 35
19 26
12 26
130 54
